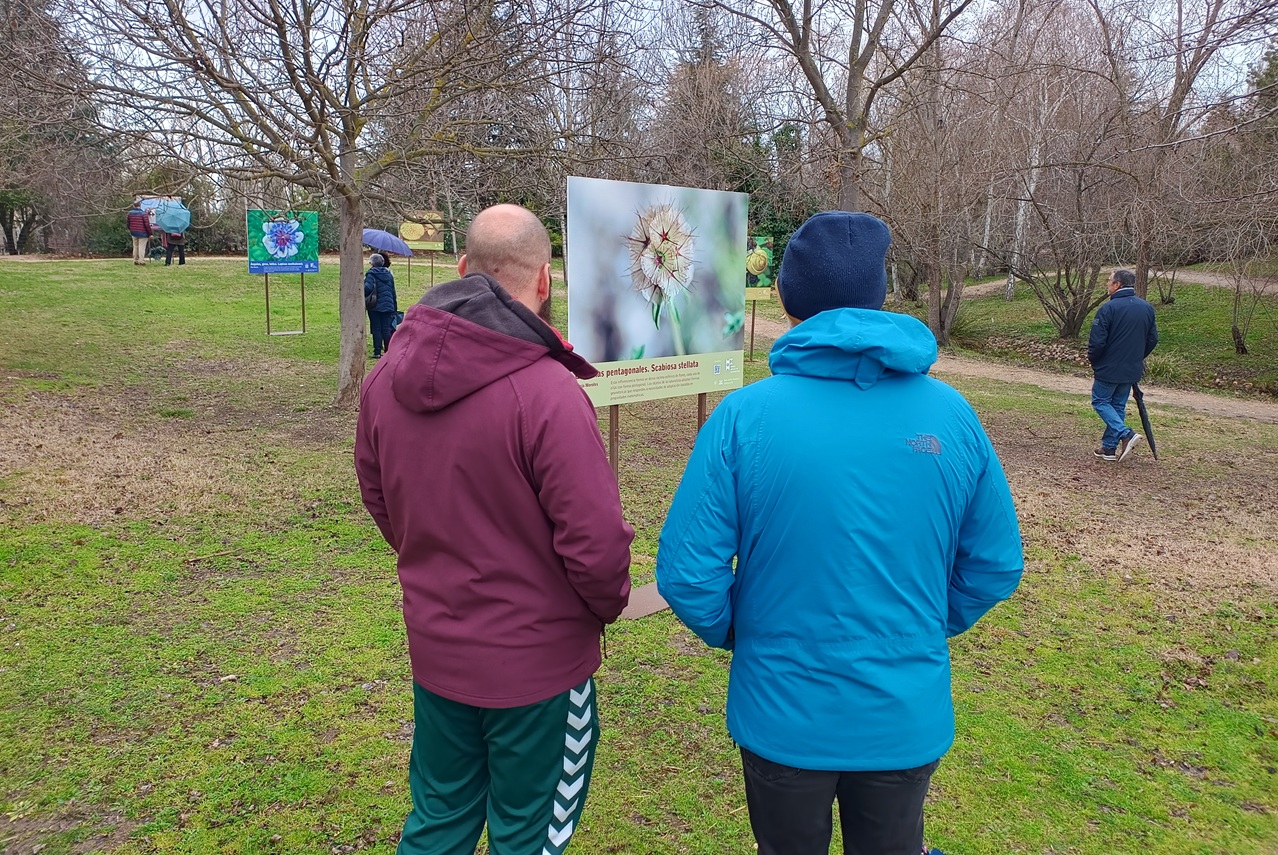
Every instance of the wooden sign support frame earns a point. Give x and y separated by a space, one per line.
614 430
267 281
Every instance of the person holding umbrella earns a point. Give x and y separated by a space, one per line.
379 298
1123 333
174 242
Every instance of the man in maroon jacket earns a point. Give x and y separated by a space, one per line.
480 459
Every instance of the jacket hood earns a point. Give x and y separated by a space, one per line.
463 336
861 345
379 273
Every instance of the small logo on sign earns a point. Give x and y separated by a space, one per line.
718 369
924 443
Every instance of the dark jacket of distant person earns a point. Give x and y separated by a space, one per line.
1123 334
382 281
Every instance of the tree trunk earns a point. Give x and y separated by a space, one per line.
1142 260
850 179
1240 343
957 275
351 360
850 134
1022 217
934 304
23 242
987 229
6 225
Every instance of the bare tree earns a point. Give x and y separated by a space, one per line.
1057 214
937 205
1163 61
849 51
288 91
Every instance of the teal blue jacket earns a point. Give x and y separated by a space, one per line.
835 524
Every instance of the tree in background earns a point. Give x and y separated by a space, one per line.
849 53
1166 62
286 92
1065 120
54 166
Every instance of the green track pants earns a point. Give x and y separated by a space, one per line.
525 771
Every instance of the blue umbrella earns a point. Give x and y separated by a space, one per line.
386 242
172 217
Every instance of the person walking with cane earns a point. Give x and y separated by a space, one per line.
1123 333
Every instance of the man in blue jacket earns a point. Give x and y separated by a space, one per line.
836 523
1123 334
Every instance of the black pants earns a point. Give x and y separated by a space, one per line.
380 325
790 809
181 252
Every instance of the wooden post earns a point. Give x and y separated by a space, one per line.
267 278
701 410
614 418
754 304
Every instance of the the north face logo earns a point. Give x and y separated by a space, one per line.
925 443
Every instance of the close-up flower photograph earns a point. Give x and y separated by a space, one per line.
654 271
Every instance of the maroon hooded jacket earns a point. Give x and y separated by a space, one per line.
480 459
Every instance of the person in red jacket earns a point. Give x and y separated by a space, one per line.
139 226
480 459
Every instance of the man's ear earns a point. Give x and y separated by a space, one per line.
543 282
461 266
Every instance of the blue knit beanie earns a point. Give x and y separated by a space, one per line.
836 260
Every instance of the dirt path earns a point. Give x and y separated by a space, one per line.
1198 277
1263 285
1238 408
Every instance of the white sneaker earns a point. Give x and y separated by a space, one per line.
1125 446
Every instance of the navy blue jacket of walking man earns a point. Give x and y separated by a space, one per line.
1123 334
836 523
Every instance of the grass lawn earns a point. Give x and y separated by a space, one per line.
201 647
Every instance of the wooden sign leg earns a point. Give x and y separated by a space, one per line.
701 410
614 417
754 304
266 278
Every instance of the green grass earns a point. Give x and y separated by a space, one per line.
202 649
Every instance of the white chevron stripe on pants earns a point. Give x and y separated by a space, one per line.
581 731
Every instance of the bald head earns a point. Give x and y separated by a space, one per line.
509 244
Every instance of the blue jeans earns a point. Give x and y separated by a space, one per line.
1109 400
